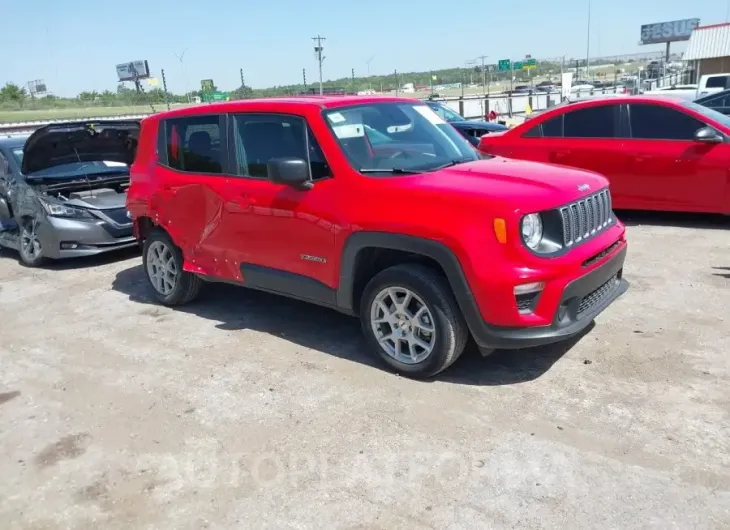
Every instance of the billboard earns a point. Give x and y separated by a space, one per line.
674 31
133 71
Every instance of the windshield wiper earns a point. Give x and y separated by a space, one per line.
451 163
395 170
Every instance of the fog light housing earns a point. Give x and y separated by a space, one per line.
526 296
69 245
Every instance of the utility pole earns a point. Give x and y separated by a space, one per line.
304 78
484 72
396 83
243 84
353 79
318 51
164 88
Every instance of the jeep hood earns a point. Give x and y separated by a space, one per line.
86 141
528 186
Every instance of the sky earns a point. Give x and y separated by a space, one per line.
74 45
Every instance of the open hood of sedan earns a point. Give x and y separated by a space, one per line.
85 141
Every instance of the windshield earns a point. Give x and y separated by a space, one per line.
707 112
445 112
18 155
81 169
397 138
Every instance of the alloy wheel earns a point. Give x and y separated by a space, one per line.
403 325
162 269
30 243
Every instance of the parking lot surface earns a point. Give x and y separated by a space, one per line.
252 411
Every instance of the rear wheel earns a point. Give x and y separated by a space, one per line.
163 264
412 320
29 243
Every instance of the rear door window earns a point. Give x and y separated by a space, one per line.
194 144
591 122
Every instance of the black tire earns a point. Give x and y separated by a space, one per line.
187 285
36 259
451 331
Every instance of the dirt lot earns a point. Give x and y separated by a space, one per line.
247 410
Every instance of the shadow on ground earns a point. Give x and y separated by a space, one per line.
681 220
327 331
722 272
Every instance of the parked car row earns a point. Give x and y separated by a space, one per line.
373 206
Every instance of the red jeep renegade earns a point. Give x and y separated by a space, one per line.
376 207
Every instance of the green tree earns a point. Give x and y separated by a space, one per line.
12 93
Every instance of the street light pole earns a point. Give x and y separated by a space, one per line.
370 85
588 40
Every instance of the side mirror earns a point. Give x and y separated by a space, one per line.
290 171
708 135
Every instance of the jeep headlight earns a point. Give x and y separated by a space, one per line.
58 209
532 230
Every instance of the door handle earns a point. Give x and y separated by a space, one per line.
558 155
638 159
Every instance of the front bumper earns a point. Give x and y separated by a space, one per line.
582 300
72 238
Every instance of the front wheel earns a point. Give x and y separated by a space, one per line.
163 264
29 243
410 317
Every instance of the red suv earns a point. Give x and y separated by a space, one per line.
378 208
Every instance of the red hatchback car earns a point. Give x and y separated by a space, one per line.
658 153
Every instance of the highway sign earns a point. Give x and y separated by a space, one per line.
517 65
529 64
209 97
503 65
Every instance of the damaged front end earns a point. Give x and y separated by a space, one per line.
71 198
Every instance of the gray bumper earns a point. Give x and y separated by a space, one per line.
71 238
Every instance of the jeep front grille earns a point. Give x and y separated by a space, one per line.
584 218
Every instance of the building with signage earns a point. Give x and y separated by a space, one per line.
708 50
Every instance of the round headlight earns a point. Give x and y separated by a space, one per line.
532 230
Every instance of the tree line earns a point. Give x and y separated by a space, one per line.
13 96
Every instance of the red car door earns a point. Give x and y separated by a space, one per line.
276 234
668 168
188 200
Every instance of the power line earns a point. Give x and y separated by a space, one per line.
318 51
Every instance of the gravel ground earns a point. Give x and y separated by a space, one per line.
248 410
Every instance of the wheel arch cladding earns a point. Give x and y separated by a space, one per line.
357 246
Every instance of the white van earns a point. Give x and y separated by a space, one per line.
711 83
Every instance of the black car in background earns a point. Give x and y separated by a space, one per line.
720 101
469 129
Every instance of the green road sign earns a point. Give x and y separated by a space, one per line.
503 65
530 62
210 97
517 65
206 85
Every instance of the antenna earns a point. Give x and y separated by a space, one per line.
320 58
